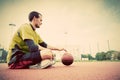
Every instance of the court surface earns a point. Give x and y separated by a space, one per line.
77 71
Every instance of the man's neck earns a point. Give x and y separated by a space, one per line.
34 28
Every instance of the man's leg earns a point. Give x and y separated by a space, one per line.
24 61
46 54
47 59
30 59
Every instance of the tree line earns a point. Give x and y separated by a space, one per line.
109 55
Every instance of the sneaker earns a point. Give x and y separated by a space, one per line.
36 66
45 64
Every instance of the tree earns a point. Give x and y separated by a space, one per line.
118 55
109 54
90 57
87 56
3 55
84 56
101 56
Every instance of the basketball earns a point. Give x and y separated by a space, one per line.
67 59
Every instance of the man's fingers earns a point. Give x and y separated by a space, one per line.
65 50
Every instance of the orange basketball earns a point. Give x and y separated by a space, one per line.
67 59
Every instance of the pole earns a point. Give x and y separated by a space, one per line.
90 48
66 38
108 43
11 29
98 47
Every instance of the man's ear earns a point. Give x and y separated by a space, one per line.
34 18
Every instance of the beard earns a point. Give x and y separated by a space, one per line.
37 26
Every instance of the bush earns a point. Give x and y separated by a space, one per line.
100 56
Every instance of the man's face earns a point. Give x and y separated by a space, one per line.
38 22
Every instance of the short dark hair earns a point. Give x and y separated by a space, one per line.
34 13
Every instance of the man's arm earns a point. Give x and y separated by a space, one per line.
44 45
31 45
55 48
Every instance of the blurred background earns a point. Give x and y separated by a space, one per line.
83 27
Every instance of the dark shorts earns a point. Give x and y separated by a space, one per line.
20 60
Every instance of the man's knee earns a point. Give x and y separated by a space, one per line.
46 54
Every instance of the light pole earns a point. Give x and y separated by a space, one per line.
90 49
11 24
66 33
11 29
0 46
108 43
98 48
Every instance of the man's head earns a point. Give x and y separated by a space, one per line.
35 18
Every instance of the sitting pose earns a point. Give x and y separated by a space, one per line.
27 48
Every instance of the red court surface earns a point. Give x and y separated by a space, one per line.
77 71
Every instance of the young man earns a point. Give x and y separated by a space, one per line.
27 48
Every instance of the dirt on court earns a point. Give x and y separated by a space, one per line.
77 71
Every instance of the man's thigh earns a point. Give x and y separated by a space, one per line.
25 61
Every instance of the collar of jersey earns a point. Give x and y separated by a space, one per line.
32 27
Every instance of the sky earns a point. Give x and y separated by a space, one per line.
87 26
